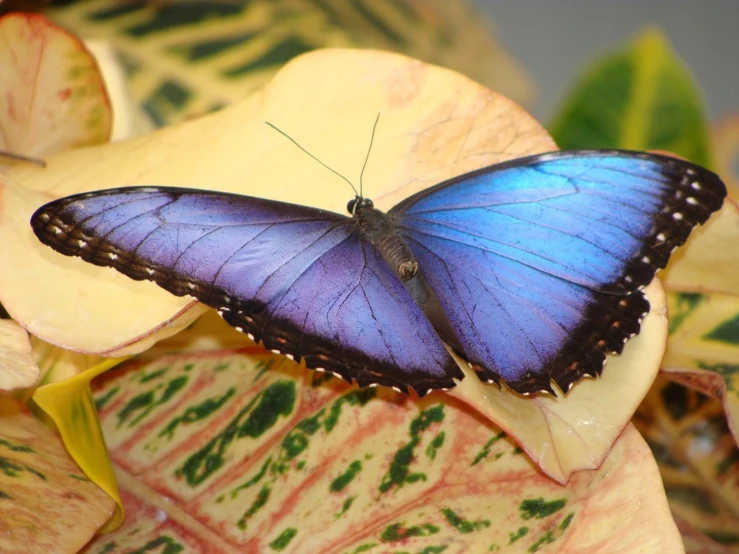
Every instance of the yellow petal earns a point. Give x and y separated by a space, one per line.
47 503
70 405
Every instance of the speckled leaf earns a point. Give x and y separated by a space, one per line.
52 95
185 59
46 503
246 451
699 463
642 97
17 368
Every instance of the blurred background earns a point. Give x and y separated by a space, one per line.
554 41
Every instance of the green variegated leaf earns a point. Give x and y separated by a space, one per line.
185 59
641 97
246 451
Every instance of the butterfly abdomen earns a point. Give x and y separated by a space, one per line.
379 229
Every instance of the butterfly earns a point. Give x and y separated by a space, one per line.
530 270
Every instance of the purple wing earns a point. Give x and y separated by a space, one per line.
538 262
301 280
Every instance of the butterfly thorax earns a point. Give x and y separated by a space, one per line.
379 229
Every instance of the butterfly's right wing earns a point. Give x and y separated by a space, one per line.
301 280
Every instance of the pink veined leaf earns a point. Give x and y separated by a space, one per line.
247 452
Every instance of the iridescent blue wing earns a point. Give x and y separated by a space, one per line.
301 280
538 262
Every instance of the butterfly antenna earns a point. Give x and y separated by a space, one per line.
372 139
284 134
22 158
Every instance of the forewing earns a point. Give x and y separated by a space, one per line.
538 262
299 279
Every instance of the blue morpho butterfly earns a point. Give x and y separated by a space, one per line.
531 270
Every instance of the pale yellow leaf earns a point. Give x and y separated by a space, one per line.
17 368
435 124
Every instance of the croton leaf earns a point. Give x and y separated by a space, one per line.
232 450
52 95
642 97
419 142
47 504
185 59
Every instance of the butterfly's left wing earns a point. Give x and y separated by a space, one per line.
302 281
538 262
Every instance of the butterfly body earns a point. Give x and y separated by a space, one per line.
530 270
381 232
